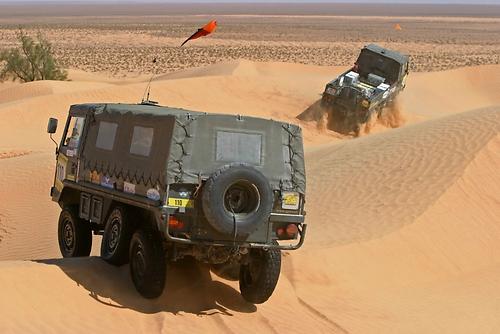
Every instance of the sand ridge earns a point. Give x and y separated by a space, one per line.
269 90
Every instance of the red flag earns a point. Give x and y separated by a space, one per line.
206 30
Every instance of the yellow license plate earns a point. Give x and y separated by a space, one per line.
180 202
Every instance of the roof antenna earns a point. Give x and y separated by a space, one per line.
146 100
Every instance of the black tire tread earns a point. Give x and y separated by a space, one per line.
208 209
262 290
210 184
121 254
154 282
83 233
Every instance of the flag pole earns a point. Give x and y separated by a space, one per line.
148 87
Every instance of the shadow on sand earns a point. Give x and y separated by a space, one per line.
189 288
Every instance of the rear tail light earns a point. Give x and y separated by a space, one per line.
289 231
174 223
280 232
292 231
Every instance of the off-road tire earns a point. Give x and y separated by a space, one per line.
213 199
147 263
259 287
74 234
116 238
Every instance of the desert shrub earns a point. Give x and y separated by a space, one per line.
32 60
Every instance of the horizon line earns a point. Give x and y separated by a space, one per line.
261 2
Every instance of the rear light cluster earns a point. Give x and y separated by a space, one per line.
290 231
174 223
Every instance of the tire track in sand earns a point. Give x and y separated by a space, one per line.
3 230
321 316
13 154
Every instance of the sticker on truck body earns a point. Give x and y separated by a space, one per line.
153 194
95 177
107 182
129 188
290 200
62 162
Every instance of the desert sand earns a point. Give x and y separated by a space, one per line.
404 224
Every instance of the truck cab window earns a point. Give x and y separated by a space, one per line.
74 132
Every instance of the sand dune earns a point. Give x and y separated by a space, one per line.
394 177
417 221
270 90
438 93
404 223
44 88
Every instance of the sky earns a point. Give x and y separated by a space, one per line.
264 1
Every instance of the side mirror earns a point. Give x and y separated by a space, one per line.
52 126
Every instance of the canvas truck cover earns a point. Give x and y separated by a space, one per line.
375 59
188 146
396 56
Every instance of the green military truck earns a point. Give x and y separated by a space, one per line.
161 184
359 95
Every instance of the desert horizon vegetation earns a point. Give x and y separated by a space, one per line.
127 38
31 60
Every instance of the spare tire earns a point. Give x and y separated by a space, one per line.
237 196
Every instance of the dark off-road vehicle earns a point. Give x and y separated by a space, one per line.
359 95
162 183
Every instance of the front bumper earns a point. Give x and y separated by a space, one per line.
327 100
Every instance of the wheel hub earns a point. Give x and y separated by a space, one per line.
139 264
114 235
68 235
242 198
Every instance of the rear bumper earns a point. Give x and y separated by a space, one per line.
299 219
286 218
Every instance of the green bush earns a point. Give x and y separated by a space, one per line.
32 60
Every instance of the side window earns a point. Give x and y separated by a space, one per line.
74 133
142 139
106 135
